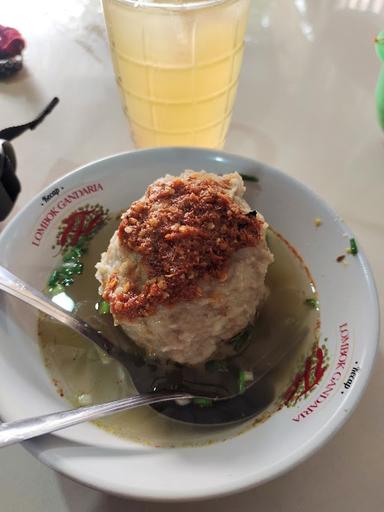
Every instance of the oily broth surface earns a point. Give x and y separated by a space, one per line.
84 375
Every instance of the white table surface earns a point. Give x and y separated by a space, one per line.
305 105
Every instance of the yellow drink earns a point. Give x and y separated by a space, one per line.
177 67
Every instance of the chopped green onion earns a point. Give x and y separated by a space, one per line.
313 303
69 268
79 268
72 267
74 254
244 377
103 307
353 246
249 177
67 271
202 402
55 290
53 279
216 366
69 256
67 281
78 252
241 381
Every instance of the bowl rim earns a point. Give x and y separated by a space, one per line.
330 428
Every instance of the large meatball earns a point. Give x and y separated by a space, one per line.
185 270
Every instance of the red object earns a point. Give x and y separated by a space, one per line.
11 42
79 223
307 379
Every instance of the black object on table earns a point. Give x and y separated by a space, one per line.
9 184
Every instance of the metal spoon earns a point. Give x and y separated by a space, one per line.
141 374
18 431
230 406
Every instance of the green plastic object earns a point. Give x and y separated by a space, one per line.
379 45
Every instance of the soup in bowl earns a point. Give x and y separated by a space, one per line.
314 291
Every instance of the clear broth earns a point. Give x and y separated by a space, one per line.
84 375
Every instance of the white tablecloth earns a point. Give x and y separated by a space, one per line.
305 105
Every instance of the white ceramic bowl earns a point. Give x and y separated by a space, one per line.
349 319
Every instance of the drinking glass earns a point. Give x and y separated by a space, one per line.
177 65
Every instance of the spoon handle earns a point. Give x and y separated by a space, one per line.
21 430
18 288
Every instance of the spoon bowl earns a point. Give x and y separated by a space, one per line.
232 404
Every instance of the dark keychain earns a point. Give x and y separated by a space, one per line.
9 183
